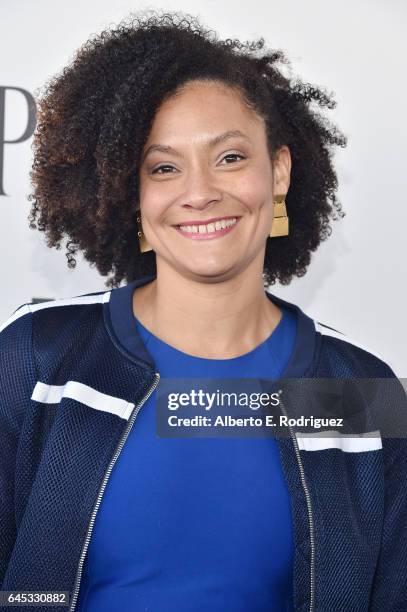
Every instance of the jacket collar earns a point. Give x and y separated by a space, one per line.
120 320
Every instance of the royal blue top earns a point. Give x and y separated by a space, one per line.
200 524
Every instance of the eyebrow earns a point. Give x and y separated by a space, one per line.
211 143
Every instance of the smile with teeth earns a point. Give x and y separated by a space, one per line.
209 230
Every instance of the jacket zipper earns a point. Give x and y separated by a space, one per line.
309 509
113 461
102 489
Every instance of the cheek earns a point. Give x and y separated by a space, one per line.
151 201
255 191
255 196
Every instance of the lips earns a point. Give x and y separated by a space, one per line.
207 221
209 229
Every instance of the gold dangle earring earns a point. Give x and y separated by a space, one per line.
144 245
279 226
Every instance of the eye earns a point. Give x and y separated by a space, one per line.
233 155
155 171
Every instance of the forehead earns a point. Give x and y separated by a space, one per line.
201 87
204 104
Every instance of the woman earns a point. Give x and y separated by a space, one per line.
220 166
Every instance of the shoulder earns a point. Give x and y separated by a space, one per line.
347 356
37 335
56 309
50 329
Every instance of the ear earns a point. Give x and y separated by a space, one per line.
281 171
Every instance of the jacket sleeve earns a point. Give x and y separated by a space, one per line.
389 590
17 380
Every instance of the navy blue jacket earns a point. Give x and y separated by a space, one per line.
73 376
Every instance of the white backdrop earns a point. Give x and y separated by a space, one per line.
356 281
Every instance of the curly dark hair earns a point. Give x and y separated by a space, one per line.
94 118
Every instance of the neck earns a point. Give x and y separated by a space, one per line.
214 320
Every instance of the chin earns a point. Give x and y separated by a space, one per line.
210 273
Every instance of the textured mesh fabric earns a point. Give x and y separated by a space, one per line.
17 379
377 482
54 457
58 461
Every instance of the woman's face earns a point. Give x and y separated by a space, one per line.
206 160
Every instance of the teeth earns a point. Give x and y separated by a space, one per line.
209 228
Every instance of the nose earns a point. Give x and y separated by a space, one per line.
200 191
